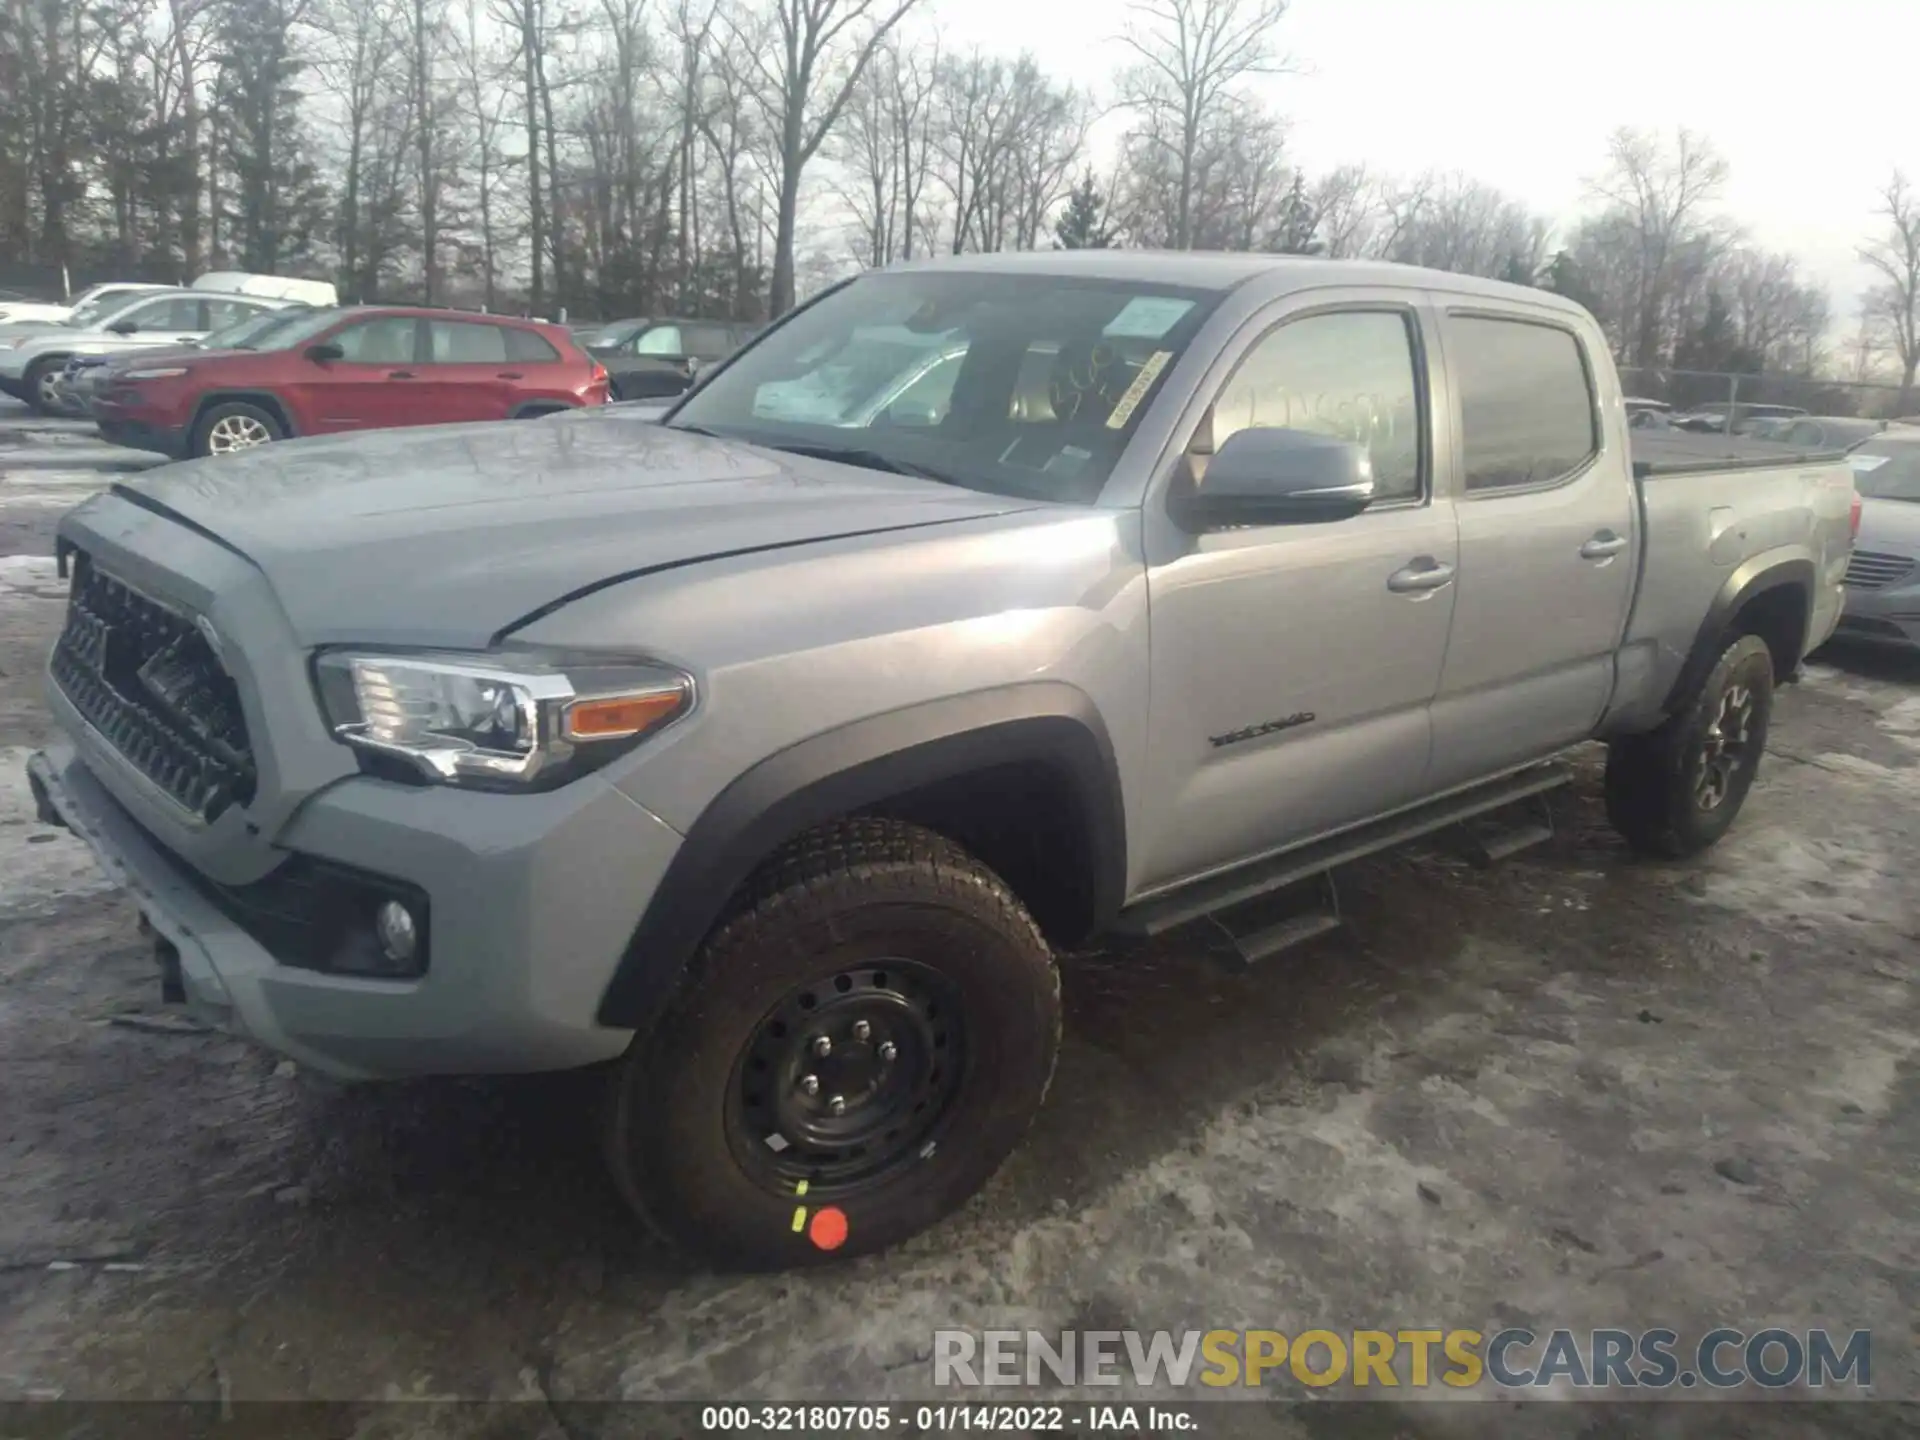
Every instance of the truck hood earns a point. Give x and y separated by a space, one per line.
453 534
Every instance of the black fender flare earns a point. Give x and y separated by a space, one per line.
260 399
1745 584
854 768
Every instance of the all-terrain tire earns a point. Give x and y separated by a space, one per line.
238 418
843 901
1663 794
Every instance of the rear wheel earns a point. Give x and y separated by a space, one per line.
853 1054
234 426
1676 791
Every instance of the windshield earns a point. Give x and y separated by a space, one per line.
298 329
249 334
1887 470
1026 385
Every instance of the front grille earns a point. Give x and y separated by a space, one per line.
1873 569
147 680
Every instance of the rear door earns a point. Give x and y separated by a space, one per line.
467 374
1547 564
370 386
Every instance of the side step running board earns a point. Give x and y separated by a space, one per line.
1249 882
1308 924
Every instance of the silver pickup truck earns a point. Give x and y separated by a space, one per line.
767 758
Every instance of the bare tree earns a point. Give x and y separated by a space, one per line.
1664 195
1190 55
1347 202
805 78
1895 301
1453 222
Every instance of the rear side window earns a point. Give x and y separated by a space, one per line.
528 346
1526 401
460 342
708 342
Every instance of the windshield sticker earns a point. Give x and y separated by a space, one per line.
1864 463
1147 317
1137 391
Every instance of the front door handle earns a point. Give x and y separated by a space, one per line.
1422 575
1603 546
509 375
399 375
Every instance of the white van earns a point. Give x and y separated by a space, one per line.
317 293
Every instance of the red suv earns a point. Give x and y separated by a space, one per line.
353 369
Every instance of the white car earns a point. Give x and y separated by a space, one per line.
89 305
31 362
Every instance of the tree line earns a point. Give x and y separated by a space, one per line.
720 157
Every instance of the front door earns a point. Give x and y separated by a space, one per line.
1293 666
1546 548
373 382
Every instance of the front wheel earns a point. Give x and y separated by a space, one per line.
852 1055
42 382
1676 791
232 427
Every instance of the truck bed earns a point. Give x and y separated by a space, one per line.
1680 452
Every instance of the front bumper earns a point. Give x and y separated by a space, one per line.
137 434
533 898
1888 616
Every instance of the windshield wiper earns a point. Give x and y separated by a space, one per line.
857 455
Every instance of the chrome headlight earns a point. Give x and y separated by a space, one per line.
511 721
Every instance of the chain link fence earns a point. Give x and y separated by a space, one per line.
1718 391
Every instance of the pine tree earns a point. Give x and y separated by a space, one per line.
1299 223
1080 226
277 205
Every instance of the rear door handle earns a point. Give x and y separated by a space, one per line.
1424 574
509 375
1603 545
399 375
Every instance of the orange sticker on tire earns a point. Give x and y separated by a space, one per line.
828 1229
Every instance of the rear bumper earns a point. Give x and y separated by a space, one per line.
531 908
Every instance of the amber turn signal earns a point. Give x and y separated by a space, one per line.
614 717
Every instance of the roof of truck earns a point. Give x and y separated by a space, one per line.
1222 270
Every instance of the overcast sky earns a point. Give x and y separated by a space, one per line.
1812 105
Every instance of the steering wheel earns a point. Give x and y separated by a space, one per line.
1084 371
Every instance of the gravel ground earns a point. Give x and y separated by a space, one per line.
1573 1090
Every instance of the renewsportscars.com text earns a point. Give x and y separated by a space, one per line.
1511 1359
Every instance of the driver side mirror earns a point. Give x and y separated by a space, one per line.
123 327
1275 476
323 352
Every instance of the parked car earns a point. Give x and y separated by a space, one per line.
319 294
650 359
1713 417
361 368
1883 575
86 375
768 762
1828 432
31 364
86 315
47 312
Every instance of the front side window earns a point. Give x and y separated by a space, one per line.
1025 385
386 341
1526 402
223 314
176 313
660 340
1349 375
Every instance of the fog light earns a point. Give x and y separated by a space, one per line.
393 922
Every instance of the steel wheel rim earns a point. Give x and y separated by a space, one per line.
1726 747
782 1120
235 432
